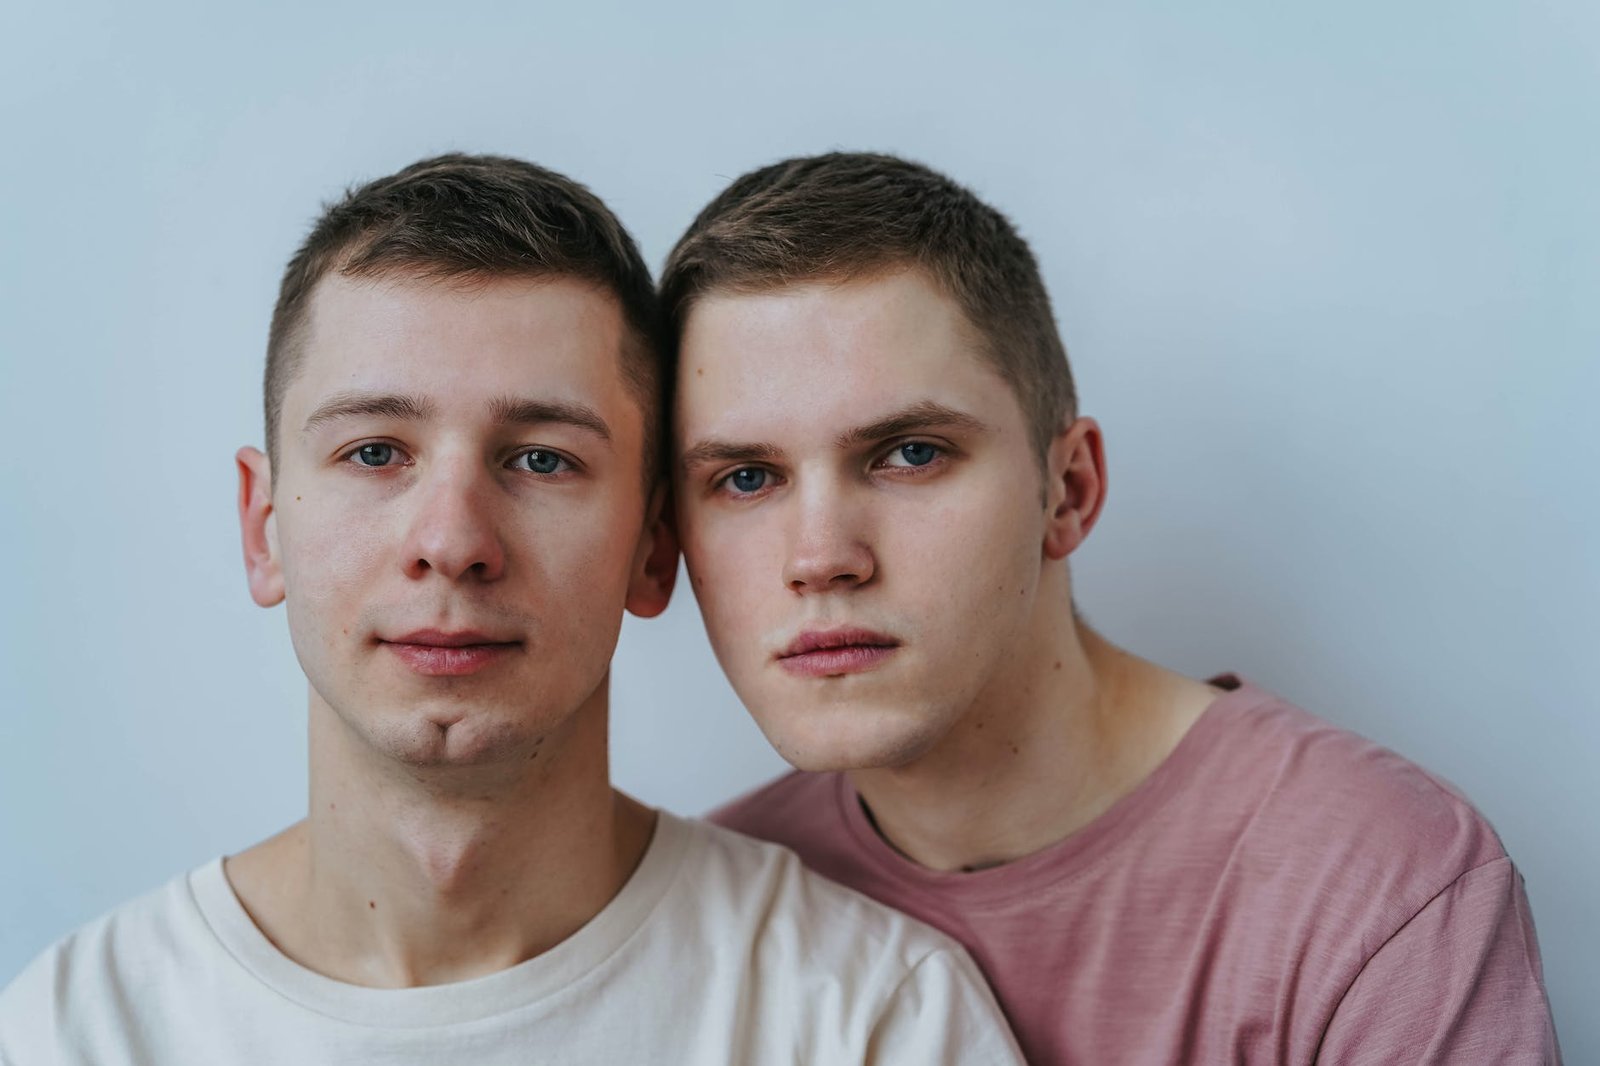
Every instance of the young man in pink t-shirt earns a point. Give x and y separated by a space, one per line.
881 473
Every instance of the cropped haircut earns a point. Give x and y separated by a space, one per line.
473 217
847 215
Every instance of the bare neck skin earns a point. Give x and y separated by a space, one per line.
1071 726
403 876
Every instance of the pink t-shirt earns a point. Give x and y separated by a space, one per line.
1278 890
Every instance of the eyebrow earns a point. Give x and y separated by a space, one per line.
712 450
506 411
515 411
926 414
369 405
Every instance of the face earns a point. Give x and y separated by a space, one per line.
457 516
862 512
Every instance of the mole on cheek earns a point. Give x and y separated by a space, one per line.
372 905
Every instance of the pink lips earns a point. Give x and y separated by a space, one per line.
833 652
434 653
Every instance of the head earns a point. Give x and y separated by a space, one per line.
470 218
459 496
849 215
880 468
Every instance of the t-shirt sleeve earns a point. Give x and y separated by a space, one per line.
28 1015
1461 982
942 1013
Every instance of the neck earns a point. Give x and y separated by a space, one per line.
1073 725
404 876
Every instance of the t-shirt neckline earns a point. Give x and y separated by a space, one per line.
1081 850
458 1002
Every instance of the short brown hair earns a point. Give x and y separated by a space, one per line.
472 216
849 214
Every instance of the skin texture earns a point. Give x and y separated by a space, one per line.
997 724
451 509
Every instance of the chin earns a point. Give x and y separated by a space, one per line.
461 738
851 737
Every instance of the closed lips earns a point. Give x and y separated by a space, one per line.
434 638
831 639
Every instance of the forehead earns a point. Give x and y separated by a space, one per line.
826 355
460 340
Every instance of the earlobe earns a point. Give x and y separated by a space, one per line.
1075 487
258 528
655 561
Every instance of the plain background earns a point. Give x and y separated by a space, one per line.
1328 276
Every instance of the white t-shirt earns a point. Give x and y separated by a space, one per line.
719 949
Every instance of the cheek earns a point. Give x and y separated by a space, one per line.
974 557
581 554
324 558
735 566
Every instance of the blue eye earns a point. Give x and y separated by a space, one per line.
748 479
375 454
912 453
541 462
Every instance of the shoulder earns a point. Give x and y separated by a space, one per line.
1316 803
791 797
803 811
1320 776
823 959
768 885
95 972
808 812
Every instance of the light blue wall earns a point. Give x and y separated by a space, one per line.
1328 275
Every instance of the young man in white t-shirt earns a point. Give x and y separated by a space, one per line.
457 501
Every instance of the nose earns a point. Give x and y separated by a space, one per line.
828 546
453 531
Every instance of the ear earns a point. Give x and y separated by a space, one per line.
258 528
655 561
1075 486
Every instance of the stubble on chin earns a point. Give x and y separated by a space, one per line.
840 735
